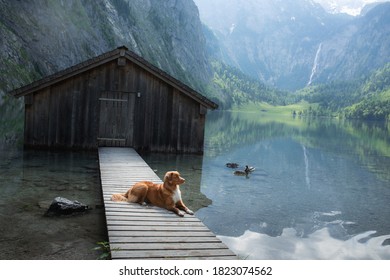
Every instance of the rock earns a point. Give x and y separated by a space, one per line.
63 206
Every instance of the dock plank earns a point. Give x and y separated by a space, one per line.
148 232
173 254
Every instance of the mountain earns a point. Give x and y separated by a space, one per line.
356 49
368 7
285 43
365 98
41 37
234 88
294 43
351 7
375 101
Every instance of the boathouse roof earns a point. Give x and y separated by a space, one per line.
124 52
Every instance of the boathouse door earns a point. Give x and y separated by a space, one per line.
116 119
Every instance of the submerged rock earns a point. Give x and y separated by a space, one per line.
63 206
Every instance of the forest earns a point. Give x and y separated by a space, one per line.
234 88
365 98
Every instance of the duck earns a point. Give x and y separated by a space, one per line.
249 169
240 173
232 165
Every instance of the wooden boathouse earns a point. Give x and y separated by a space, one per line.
118 103
116 99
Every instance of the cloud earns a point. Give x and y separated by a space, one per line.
319 245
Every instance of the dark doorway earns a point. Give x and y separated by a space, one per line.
116 121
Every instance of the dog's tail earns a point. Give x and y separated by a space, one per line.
124 197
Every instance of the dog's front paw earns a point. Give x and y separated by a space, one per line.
189 212
180 213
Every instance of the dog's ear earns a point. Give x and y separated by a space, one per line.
168 178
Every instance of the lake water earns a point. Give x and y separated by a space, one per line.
320 190
29 181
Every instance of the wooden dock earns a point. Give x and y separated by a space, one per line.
147 232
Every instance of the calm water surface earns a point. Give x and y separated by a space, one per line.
321 188
29 181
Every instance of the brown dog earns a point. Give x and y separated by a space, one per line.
166 195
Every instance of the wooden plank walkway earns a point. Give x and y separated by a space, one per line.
148 232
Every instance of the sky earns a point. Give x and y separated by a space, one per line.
352 7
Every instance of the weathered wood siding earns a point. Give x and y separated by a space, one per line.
116 119
114 104
166 120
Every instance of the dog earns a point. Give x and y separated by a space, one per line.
166 195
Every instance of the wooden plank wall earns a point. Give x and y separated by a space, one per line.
67 114
147 232
116 118
168 121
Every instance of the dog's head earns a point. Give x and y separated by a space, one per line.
173 178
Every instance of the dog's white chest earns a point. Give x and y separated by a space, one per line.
176 195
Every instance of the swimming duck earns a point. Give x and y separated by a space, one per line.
240 173
249 169
232 165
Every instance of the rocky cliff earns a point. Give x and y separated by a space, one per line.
357 48
293 43
40 37
287 43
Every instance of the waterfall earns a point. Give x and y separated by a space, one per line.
306 159
315 64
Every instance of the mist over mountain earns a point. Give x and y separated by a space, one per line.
351 7
294 43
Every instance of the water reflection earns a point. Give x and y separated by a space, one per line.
319 245
320 189
307 177
318 183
